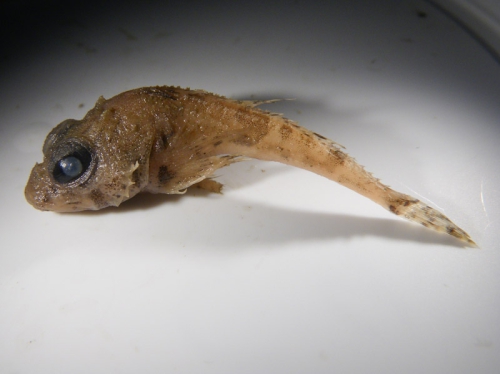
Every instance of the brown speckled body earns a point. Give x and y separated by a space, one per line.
165 139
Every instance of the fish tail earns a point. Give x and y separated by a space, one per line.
254 133
291 144
416 211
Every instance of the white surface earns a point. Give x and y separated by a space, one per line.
286 272
481 17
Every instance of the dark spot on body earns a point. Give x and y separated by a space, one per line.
320 136
393 209
98 198
217 143
285 131
164 92
162 141
405 202
115 183
164 175
339 156
454 232
410 202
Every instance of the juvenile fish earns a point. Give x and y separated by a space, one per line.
165 139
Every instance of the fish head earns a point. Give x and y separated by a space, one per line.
89 164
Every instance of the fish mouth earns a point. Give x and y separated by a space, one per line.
42 195
32 190
38 201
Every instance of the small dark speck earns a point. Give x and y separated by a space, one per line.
421 14
128 34
373 61
407 40
86 48
320 136
161 35
80 106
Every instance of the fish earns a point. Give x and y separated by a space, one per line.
165 139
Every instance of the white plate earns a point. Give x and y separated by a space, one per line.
480 17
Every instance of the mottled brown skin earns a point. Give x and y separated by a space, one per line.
165 139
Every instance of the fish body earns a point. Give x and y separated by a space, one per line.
165 139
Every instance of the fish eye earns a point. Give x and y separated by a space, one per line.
73 161
68 168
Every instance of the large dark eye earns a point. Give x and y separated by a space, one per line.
71 162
